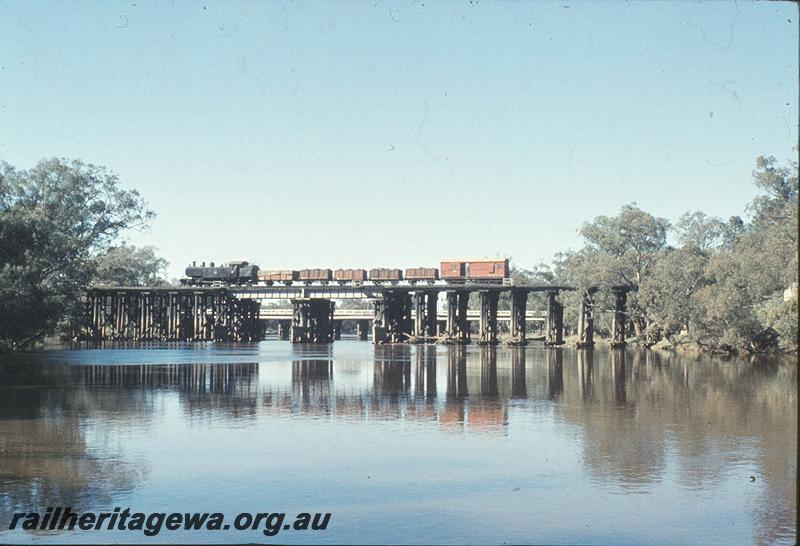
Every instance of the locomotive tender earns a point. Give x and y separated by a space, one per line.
451 271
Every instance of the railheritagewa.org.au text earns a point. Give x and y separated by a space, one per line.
152 523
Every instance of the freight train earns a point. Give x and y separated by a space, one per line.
241 273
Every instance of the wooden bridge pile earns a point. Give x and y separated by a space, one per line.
170 315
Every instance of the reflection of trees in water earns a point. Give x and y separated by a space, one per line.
619 445
46 459
637 406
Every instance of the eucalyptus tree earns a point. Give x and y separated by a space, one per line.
751 299
618 250
56 220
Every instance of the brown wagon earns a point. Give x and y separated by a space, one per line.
315 275
381 274
285 276
349 275
426 274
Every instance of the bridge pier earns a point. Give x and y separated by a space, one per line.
392 322
362 326
554 326
519 299
284 329
170 315
312 321
420 316
179 317
242 323
379 322
155 309
116 316
221 317
398 316
620 317
457 328
431 312
488 321
152 317
337 329
202 318
425 302
586 319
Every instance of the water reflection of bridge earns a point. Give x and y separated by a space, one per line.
449 385
402 377
637 417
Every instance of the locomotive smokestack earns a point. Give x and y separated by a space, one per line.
212 264
194 263
204 264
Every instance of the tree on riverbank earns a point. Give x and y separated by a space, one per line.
728 285
127 265
59 222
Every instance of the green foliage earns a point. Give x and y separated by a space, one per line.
625 246
747 279
56 221
126 265
696 229
619 250
780 315
722 287
669 294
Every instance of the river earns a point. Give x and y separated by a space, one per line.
420 444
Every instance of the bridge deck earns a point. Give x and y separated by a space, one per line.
333 291
368 314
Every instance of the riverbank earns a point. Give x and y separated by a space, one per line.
682 344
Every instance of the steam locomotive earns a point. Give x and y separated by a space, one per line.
242 273
232 273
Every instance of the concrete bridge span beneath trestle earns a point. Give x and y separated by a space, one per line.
401 313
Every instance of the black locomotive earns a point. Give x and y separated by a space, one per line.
238 273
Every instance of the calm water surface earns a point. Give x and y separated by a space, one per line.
406 444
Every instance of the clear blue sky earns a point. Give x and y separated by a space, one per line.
372 133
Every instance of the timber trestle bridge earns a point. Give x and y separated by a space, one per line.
400 314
